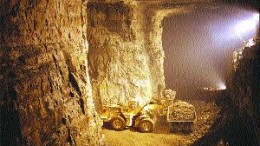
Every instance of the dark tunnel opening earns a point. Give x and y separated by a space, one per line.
199 45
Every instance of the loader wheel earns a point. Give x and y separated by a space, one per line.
146 126
118 123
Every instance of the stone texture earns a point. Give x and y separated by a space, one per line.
153 42
126 55
118 62
44 78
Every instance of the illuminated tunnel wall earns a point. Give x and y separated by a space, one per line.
198 47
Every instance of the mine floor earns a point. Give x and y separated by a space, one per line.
206 114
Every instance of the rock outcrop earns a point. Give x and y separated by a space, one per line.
45 90
117 57
125 49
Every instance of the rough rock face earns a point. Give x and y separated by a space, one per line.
118 60
153 42
45 96
126 55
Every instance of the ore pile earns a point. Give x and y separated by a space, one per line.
181 111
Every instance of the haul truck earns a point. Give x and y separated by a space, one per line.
180 115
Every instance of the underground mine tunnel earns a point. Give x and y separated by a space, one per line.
129 72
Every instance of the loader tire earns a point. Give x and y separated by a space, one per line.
146 126
118 123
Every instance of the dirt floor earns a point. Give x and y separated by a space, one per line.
206 113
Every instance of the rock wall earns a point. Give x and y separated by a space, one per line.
245 83
45 96
126 55
117 56
153 41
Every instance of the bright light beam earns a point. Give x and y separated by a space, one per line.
256 18
247 26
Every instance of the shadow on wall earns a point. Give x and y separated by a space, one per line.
10 133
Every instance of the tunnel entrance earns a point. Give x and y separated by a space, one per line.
198 48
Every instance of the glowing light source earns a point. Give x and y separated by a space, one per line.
222 86
247 26
256 17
